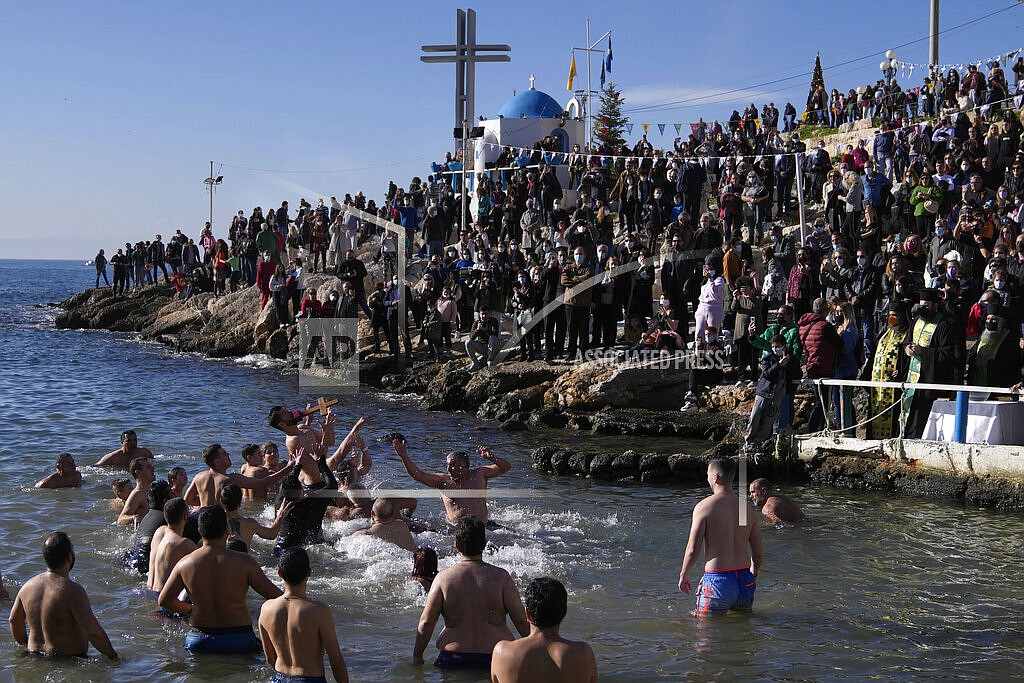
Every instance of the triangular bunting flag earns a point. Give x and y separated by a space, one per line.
678 126
645 127
629 128
661 128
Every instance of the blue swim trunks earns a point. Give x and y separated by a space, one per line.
286 678
239 640
448 659
725 589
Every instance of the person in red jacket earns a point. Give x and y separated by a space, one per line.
822 345
264 271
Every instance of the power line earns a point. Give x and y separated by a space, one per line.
700 98
325 172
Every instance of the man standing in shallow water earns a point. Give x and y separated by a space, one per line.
51 614
459 477
474 598
725 527
217 580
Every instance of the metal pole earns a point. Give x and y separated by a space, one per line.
933 30
211 196
800 196
590 140
963 409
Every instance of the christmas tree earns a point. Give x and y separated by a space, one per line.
610 123
817 78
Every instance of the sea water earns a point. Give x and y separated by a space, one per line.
871 586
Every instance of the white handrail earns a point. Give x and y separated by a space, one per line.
904 385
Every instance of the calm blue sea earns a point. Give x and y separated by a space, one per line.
871 587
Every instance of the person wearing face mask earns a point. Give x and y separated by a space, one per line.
802 284
837 275
605 318
706 368
397 294
711 302
1015 264
578 297
819 243
865 288
524 302
996 360
821 346
941 243
779 369
482 346
554 322
889 365
936 354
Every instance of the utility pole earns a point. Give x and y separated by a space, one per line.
211 182
933 40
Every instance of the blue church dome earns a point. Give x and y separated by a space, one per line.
531 104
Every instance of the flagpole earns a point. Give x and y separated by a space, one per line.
590 141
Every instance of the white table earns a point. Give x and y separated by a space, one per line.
991 422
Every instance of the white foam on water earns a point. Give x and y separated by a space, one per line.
258 360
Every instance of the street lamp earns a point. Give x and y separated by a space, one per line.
889 65
211 182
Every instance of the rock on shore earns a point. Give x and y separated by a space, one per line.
592 397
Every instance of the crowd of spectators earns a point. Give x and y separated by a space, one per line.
917 235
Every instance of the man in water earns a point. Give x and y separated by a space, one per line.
217 580
128 451
272 462
51 614
242 528
311 484
459 478
301 434
178 479
544 656
137 504
252 454
725 527
168 546
205 487
65 476
388 526
776 508
296 631
474 598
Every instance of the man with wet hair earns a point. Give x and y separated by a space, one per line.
128 451
299 433
388 526
474 598
725 527
242 528
217 580
544 656
252 454
66 474
137 504
296 631
776 508
168 546
51 614
459 477
205 486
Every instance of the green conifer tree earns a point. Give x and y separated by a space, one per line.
610 122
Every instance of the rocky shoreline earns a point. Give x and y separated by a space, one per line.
589 397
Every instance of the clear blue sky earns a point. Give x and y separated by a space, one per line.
112 111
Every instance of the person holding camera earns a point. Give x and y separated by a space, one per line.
482 346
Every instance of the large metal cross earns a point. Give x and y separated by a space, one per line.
465 55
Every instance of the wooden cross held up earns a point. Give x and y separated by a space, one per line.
321 407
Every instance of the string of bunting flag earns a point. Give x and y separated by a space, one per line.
523 155
907 68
